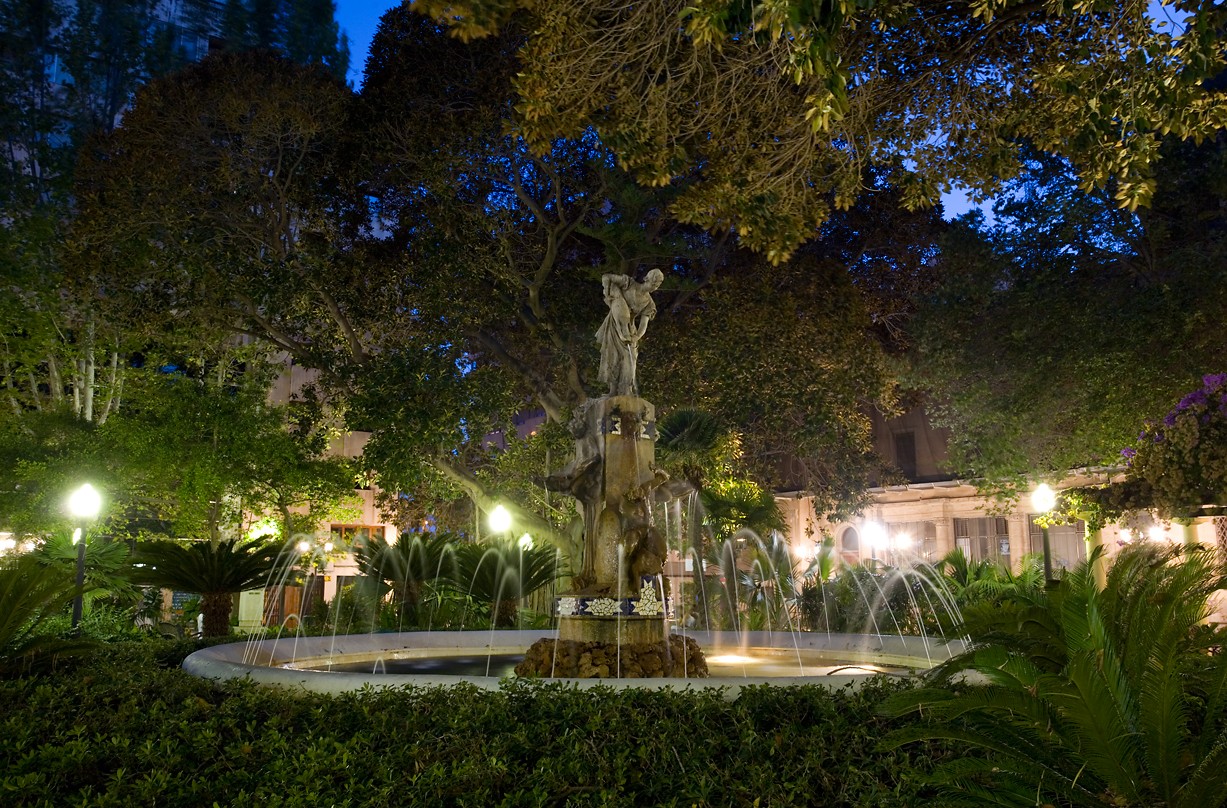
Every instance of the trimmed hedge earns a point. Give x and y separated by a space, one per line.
127 728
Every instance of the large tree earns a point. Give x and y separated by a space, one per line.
764 114
1062 327
442 278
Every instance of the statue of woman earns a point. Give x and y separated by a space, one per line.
630 310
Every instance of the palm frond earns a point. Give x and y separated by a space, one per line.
503 573
1207 785
1094 695
205 568
30 594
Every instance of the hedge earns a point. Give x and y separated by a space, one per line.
126 727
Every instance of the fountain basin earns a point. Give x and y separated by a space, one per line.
741 659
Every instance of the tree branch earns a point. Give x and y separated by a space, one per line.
523 519
550 400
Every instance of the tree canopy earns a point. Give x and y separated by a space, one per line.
1055 332
765 115
441 278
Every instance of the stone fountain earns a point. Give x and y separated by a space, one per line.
614 621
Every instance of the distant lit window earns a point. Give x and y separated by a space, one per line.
348 537
983 539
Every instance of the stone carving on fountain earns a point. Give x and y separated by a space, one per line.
618 605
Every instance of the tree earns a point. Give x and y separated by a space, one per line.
765 114
303 32
1057 331
205 452
215 571
476 296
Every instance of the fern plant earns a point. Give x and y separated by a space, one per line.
1087 697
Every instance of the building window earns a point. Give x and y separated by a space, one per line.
983 539
350 537
1067 543
850 541
905 453
913 538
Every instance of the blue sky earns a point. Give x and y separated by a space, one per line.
359 19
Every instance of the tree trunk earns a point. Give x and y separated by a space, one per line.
506 612
90 373
215 607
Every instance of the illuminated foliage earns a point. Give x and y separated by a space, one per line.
765 114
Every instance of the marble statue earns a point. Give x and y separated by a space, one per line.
630 309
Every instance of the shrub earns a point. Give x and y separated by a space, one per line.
124 729
1090 697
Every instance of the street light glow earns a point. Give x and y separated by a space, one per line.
526 542
85 502
875 534
500 519
1043 499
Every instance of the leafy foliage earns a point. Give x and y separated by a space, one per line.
1056 331
105 567
1182 462
31 594
215 571
764 115
159 734
1085 696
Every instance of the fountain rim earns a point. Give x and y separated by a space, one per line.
265 662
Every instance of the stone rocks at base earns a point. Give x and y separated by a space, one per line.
572 659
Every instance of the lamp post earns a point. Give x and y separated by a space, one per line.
84 505
1043 499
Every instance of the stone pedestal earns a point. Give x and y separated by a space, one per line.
618 600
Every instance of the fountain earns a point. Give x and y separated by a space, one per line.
613 623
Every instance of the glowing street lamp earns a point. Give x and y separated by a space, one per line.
1043 500
84 504
499 519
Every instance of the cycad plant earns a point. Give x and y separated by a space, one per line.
214 571
105 570
498 575
408 569
31 593
1082 697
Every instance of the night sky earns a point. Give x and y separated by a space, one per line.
359 19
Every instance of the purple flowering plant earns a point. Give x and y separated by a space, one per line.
1183 457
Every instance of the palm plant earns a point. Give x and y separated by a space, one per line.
766 584
214 571
1089 697
105 572
30 595
499 575
687 441
408 569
